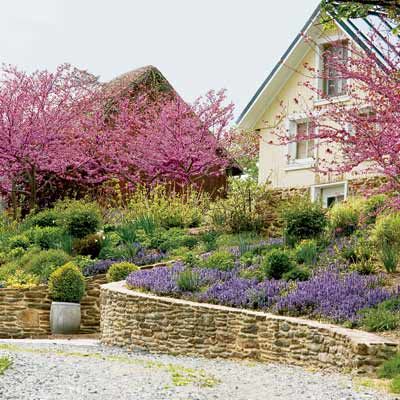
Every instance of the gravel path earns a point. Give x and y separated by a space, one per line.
53 371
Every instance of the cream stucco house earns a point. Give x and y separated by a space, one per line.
292 165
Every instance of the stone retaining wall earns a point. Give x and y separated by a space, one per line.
160 324
25 313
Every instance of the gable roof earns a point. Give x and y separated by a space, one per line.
358 29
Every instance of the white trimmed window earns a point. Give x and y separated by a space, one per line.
301 152
304 148
333 84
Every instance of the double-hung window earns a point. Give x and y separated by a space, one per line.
334 84
301 148
304 147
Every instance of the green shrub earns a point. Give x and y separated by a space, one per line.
372 207
19 241
67 284
191 260
247 207
276 263
48 237
306 252
188 281
345 216
175 238
379 319
120 271
48 217
247 258
390 368
222 260
303 220
21 280
90 245
386 235
43 263
79 218
297 274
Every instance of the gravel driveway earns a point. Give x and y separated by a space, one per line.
88 371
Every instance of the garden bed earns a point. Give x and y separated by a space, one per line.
162 324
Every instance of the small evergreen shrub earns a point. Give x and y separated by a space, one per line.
303 220
222 260
345 216
120 271
90 245
188 281
276 263
67 284
80 218
43 263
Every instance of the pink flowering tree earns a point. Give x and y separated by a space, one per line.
366 128
62 132
40 130
167 140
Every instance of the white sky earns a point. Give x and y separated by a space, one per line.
197 44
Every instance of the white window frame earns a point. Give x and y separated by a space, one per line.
315 190
319 62
294 163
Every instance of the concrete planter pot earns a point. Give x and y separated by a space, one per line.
65 318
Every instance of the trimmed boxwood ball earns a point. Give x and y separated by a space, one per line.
120 271
67 284
276 263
